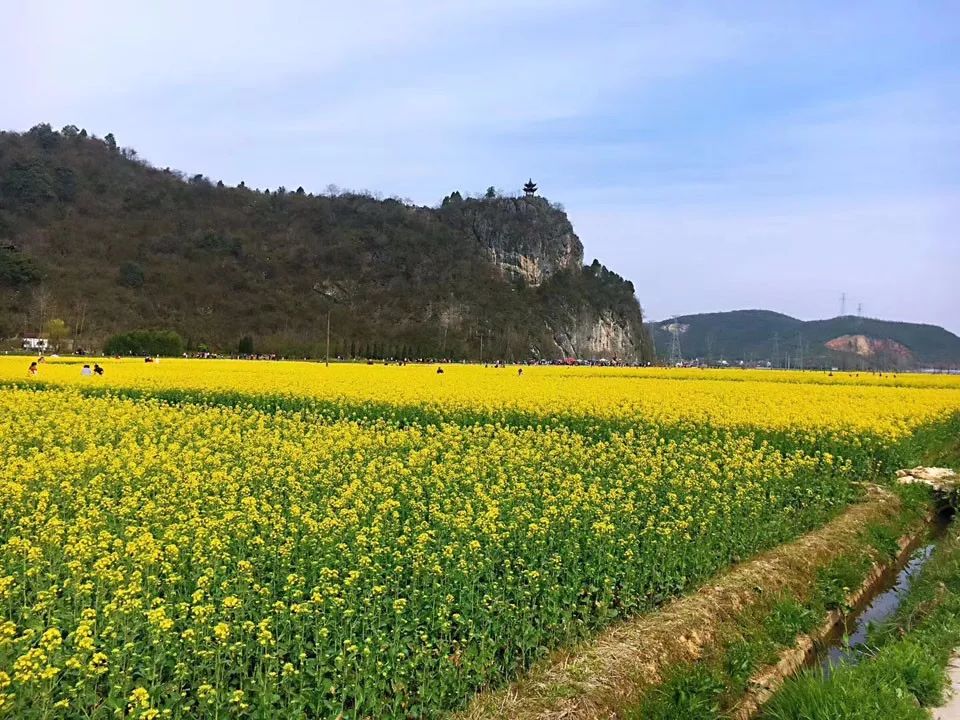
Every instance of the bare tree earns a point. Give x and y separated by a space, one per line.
43 300
81 311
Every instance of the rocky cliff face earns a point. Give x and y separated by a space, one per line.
590 312
526 238
593 313
601 334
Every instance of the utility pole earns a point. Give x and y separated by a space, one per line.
327 361
800 346
481 347
776 350
843 304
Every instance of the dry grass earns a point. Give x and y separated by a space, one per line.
598 679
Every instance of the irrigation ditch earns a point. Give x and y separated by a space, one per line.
842 637
630 670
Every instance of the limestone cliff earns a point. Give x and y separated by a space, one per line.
524 237
590 312
594 314
597 334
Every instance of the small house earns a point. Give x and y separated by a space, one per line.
36 344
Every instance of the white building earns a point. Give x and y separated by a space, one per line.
38 344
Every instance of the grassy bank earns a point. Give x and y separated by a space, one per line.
904 672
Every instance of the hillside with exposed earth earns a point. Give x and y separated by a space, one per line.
759 336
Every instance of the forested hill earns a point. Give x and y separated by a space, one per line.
91 235
848 341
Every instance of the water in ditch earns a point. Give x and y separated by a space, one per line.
848 643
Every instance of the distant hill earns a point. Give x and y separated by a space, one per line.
847 342
92 235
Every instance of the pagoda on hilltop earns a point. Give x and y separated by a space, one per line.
530 188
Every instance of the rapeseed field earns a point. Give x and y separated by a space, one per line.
255 539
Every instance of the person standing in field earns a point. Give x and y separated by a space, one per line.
86 371
34 368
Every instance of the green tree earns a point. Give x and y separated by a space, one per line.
145 342
454 198
16 269
44 135
57 332
131 275
27 185
245 346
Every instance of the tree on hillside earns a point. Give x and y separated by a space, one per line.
27 185
16 269
131 275
42 300
45 136
57 331
145 342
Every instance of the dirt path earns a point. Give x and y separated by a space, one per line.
599 679
951 711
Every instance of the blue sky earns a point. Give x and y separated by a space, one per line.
721 155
